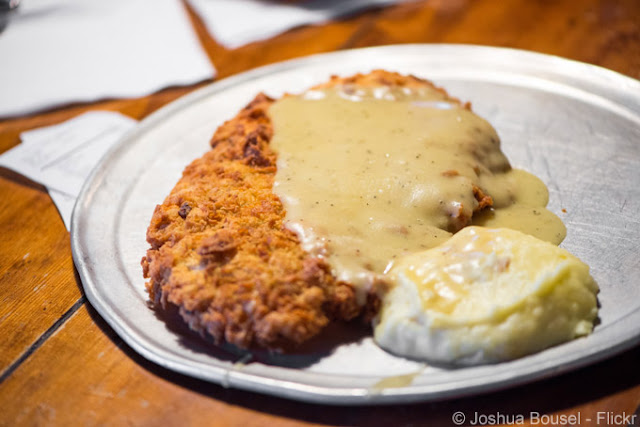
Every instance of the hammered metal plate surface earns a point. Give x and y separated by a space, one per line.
574 125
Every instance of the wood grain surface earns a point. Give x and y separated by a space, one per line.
60 364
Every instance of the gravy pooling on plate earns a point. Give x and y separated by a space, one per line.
368 175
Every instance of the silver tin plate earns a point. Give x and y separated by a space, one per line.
574 125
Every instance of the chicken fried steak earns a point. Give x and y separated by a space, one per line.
220 250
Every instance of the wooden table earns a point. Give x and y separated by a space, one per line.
61 364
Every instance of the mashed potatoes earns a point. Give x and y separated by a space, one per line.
485 295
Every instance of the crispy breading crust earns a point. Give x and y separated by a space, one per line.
220 252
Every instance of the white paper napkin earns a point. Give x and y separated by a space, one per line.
54 52
61 157
234 23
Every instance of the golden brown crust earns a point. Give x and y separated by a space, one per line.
220 252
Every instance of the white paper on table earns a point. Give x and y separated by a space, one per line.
238 22
56 52
65 204
61 157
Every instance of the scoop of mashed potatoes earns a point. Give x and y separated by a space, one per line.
484 296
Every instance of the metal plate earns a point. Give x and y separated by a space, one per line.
574 125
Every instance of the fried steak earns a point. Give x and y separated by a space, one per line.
220 251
